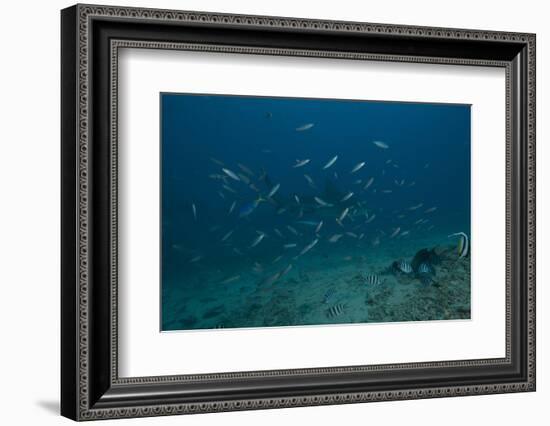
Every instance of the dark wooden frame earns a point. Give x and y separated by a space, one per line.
90 386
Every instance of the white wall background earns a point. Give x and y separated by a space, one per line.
29 212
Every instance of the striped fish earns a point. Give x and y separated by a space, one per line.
424 274
405 267
328 295
373 279
336 310
424 268
463 244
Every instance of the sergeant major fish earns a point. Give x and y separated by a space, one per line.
373 279
329 295
336 310
405 267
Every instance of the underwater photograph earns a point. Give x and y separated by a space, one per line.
281 212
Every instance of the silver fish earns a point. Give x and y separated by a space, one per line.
244 178
304 127
309 247
273 190
358 167
330 162
370 219
318 227
194 208
293 230
231 174
310 181
286 270
245 169
258 268
232 207
277 259
335 238
322 202
216 161
226 236
301 163
290 245
351 234
230 279
257 241
297 199
279 233
381 144
229 189
217 177
386 191
307 222
196 259
270 279
347 197
369 183
431 209
416 207
339 222
404 233
395 232
343 214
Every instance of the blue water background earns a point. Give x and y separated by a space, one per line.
429 143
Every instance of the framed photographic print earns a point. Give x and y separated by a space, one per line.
263 212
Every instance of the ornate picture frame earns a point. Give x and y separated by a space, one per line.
91 37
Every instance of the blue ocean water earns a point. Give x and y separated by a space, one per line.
233 256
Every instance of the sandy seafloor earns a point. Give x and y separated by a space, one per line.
298 297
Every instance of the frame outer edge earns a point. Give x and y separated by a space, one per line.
83 12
